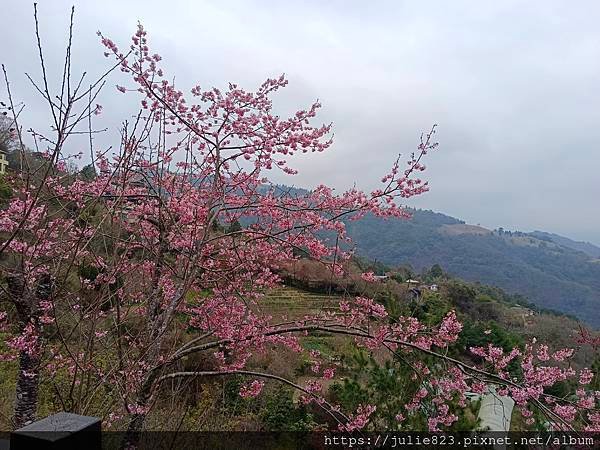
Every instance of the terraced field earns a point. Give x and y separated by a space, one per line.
294 303
285 303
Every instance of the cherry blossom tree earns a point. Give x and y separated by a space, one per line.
44 230
117 279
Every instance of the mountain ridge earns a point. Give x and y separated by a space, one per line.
552 271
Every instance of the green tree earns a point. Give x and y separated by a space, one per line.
234 227
436 271
390 386
88 172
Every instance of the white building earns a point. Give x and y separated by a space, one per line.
495 411
3 162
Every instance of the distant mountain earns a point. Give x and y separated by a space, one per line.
552 271
585 247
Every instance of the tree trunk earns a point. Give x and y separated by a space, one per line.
144 399
138 417
28 378
132 436
26 390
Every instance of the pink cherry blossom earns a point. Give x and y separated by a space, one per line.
252 390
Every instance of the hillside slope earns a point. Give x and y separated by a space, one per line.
591 249
544 267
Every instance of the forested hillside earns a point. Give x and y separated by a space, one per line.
585 247
548 269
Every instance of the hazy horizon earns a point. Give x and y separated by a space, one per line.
513 87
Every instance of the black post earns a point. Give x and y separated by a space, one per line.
61 431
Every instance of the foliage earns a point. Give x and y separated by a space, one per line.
390 386
279 413
5 189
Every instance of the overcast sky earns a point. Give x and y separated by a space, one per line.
514 87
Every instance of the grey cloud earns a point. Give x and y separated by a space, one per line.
513 86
